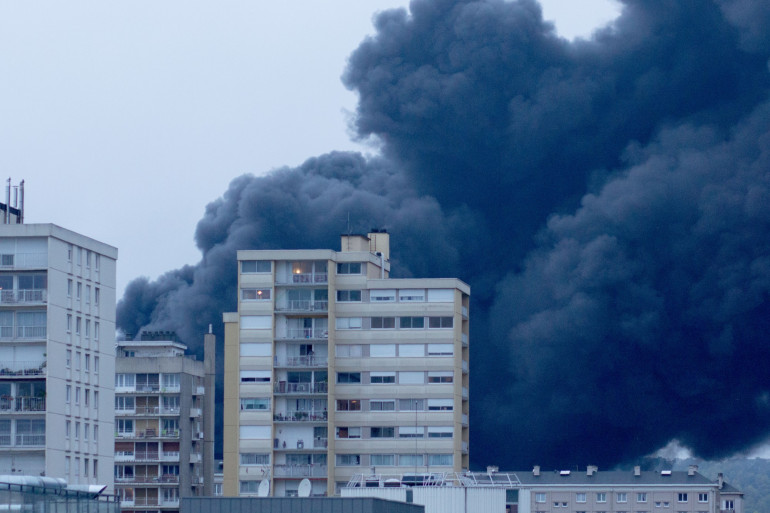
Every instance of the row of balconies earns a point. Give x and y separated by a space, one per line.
149 456
282 387
147 410
23 332
302 305
149 501
300 470
301 361
164 479
148 433
10 404
301 416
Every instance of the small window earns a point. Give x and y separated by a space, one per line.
348 323
440 460
349 268
348 460
411 404
440 431
253 458
348 377
440 377
540 497
382 377
703 497
255 404
383 432
382 350
411 350
601 497
411 460
256 266
347 296
382 405
383 323
387 460
255 376
440 404
682 497
641 497
411 322
256 294
382 296
349 351
348 404
348 432
441 350
580 497
411 295
411 432
621 497
440 322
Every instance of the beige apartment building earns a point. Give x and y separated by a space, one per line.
333 369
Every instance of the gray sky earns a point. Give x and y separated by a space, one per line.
126 119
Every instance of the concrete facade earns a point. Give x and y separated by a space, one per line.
161 400
331 367
57 336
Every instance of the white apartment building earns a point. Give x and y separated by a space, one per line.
57 354
161 401
333 368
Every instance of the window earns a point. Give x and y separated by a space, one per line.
88 328
77 430
77 395
96 296
255 403
87 397
348 432
256 266
69 288
410 460
682 497
411 295
123 403
256 294
382 350
388 460
88 258
78 322
348 460
411 378
69 323
411 404
349 268
86 429
96 331
88 294
171 381
68 359
96 400
383 323
69 259
540 497
601 497
67 428
87 363
348 323
411 432
96 266
441 350
349 351
382 296
68 393
382 405
443 460
96 436
580 497
411 350
703 497
383 432
440 377
621 497
382 377
440 431
96 365
77 360
348 377
411 322
440 322
254 458
347 296
249 486
348 404
255 376
641 497
253 349
728 504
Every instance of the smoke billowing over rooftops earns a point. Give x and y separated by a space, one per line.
607 200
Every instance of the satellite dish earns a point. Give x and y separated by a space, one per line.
305 488
264 488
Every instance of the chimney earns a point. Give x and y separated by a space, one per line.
536 470
692 469
720 480
591 470
637 471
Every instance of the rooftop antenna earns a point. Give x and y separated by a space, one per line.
348 222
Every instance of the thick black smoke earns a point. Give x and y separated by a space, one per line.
608 201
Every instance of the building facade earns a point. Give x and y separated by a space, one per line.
161 400
331 367
57 336
564 491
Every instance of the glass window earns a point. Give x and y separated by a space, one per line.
382 405
348 460
411 295
411 404
410 460
621 497
348 432
346 296
256 266
440 322
440 377
383 432
441 432
682 497
379 460
540 497
349 268
580 497
641 497
256 294
440 460
348 377
411 432
383 323
348 323
411 322
382 296
382 377
255 403
253 458
348 405
441 350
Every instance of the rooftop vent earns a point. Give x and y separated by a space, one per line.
692 469
637 471
665 472
564 473
591 470
536 470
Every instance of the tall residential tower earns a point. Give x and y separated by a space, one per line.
333 369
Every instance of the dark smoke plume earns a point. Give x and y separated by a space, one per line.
608 200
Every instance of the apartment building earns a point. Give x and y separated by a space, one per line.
164 408
332 367
560 491
57 326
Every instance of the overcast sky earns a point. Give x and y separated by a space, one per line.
126 119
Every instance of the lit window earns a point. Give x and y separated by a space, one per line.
348 405
256 294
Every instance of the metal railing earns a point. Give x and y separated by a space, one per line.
23 332
307 278
15 296
304 305
23 368
300 333
25 440
283 387
302 361
301 416
306 470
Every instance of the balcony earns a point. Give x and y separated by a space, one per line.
307 333
303 306
465 367
302 361
305 279
465 393
25 440
170 502
170 456
283 387
301 416
21 404
24 297
307 470
35 368
151 387
146 456
465 339
146 501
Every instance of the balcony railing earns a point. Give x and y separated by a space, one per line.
146 456
22 404
23 332
22 368
300 333
307 470
283 387
170 455
320 443
5 440
29 296
165 478
302 361
307 278
146 501
148 410
303 305
148 387
301 416
24 260
25 440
